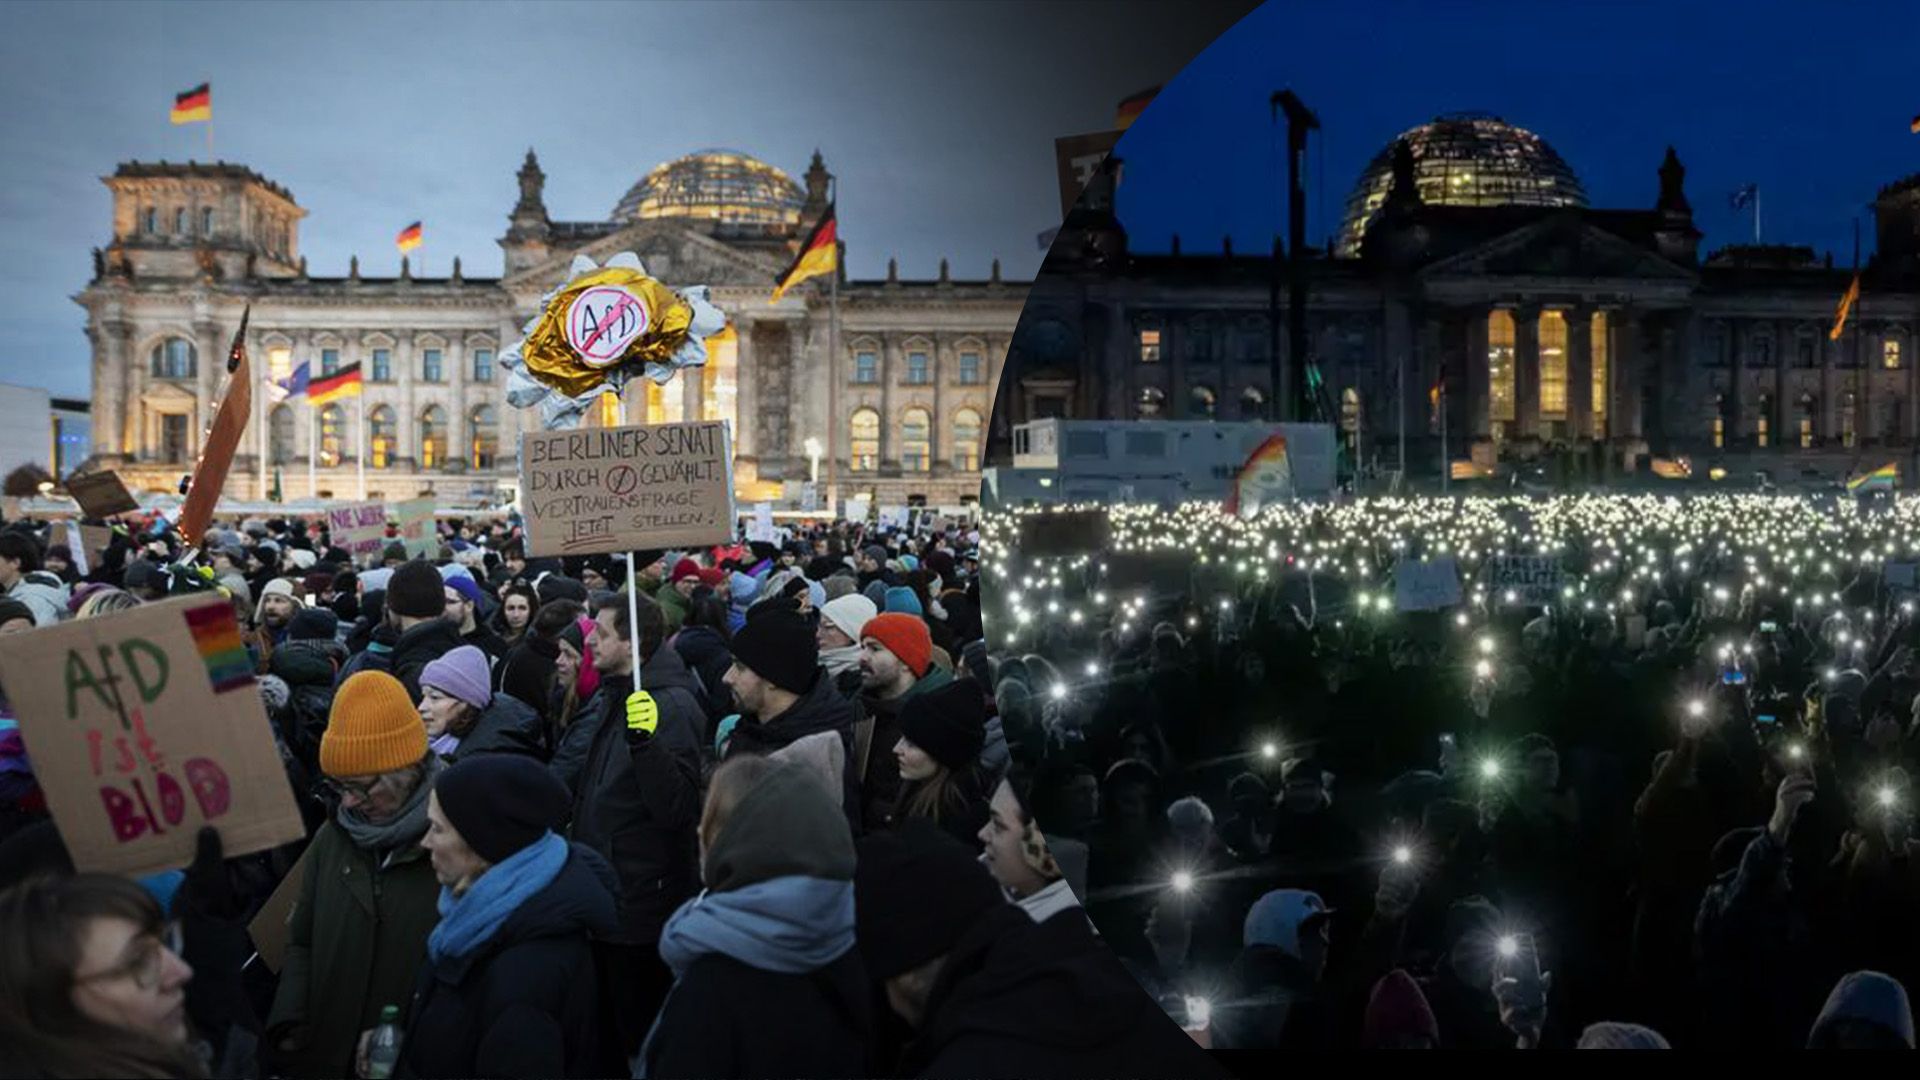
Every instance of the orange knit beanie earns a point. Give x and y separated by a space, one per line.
374 728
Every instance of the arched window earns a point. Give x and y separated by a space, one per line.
1890 352
433 437
966 440
333 422
1253 404
1500 365
280 435
485 427
1152 404
382 437
916 440
1760 351
174 358
1200 403
1763 423
1806 418
864 445
1719 424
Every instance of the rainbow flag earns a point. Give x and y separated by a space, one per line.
195 104
1267 477
216 636
409 238
1884 478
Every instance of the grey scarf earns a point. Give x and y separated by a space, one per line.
405 829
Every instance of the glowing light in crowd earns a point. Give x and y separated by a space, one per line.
1402 855
1490 769
1059 691
1182 881
1508 946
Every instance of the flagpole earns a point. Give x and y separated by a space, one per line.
313 449
360 441
262 454
833 357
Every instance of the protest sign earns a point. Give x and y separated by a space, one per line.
894 517
859 508
760 528
145 725
269 926
1534 580
101 494
415 518
359 529
810 497
96 539
1054 533
622 488
1902 578
1426 586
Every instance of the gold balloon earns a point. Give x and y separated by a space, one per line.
553 361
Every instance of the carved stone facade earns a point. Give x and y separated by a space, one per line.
194 245
1506 331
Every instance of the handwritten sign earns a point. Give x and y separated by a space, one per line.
859 508
359 529
1426 586
101 494
760 528
145 725
415 517
1535 580
621 488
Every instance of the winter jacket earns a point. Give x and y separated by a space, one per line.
526 1002
821 708
1044 1000
1272 1003
1765 996
355 942
418 646
506 726
484 639
308 668
880 782
707 656
728 1018
673 608
637 801
43 594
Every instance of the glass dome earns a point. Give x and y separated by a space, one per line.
722 186
1465 159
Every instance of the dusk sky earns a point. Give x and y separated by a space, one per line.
938 118
1811 101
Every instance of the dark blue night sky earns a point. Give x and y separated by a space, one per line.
1809 100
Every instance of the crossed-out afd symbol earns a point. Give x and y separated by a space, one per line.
603 321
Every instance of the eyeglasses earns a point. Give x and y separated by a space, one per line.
343 788
145 967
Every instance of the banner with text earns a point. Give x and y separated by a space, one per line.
1533 580
415 519
597 490
359 529
101 494
145 725
1426 586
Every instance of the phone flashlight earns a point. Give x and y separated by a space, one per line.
1402 855
1199 1013
1508 946
1182 881
1490 769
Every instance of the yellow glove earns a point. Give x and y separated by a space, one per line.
643 713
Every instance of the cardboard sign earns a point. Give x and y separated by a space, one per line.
145 725
760 527
101 494
894 517
859 508
359 529
271 923
1534 579
416 526
623 488
810 497
1076 159
1426 586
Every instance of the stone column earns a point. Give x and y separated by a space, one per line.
211 366
1476 386
746 397
134 417
1830 389
111 376
1526 371
408 422
1786 418
1628 372
1910 361
1579 321
1116 367
460 435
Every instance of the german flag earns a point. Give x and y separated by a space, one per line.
1846 308
819 255
409 238
1132 107
343 383
195 104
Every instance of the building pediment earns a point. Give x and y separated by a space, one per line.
670 251
1561 247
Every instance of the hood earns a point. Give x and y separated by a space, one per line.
1051 983
700 642
506 724
667 671
789 825
307 662
41 583
580 899
1869 997
820 709
744 589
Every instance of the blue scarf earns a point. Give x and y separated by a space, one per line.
790 925
467 922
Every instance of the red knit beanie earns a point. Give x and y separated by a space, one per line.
905 637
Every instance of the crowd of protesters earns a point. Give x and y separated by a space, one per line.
1667 802
791 840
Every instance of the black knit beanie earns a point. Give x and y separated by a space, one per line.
916 890
417 590
949 723
500 803
779 647
527 672
313 624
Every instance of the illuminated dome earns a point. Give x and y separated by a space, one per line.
1466 159
722 186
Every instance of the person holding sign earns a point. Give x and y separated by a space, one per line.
359 928
637 802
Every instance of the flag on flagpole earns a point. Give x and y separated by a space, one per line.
343 383
409 238
1130 109
195 104
1884 478
1846 308
819 255
1743 196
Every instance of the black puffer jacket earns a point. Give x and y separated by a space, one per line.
419 646
707 654
524 1003
506 726
637 801
308 668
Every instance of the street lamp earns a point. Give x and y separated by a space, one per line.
812 446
